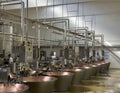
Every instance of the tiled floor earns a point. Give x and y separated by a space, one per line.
99 84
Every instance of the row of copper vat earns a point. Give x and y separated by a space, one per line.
56 81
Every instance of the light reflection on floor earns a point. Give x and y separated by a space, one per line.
99 84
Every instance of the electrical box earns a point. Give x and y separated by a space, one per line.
25 52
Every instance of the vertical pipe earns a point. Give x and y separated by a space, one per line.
11 38
65 34
93 44
86 44
26 20
102 41
22 21
51 40
102 44
38 46
83 17
85 39
2 8
93 40
38 29
3 38
74 47
39 37
72 39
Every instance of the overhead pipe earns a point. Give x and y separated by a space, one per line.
65 28
80 28
12 2
102 39
30 37
7 4
92 33
33 21
60 21
92 38
9 21
42 24
7 1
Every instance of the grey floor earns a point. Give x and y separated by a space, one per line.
99 84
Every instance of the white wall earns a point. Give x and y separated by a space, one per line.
115 62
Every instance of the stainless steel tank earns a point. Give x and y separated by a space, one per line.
40 84
78 75
64 80
13 88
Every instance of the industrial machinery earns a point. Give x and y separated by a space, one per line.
25 52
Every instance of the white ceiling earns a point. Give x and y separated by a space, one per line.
33 3
42 3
